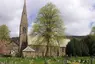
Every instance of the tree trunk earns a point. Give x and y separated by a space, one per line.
47 48
47 51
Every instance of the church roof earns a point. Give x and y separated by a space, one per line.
28 49
15 40
32 40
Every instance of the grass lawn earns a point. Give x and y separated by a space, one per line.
73 60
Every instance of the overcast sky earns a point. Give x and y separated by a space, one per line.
78 15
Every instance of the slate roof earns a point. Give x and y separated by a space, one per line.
15 40
32 40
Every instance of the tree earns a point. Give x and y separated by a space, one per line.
90 42
4 39
84 48
49 27
70 48
93 30
4 32
76 47
73 48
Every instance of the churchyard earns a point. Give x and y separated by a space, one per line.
39 60
48 36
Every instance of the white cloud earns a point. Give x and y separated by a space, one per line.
10 14
77 14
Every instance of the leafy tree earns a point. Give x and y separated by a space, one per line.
73 47
4 32
49 27
77 47
70 48
93 30
90 41
84 48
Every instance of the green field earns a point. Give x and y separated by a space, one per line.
60 60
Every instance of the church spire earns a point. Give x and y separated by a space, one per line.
24 7
24 14
23 29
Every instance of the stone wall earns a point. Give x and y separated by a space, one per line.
53 51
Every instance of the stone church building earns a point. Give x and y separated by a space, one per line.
24 43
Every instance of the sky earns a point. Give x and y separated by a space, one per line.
78 15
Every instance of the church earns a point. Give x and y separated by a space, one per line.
24 43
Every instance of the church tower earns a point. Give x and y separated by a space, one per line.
23 29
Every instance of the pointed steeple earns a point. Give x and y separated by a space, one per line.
24 14
23 29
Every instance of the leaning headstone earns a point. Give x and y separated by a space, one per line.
65 61
45 62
